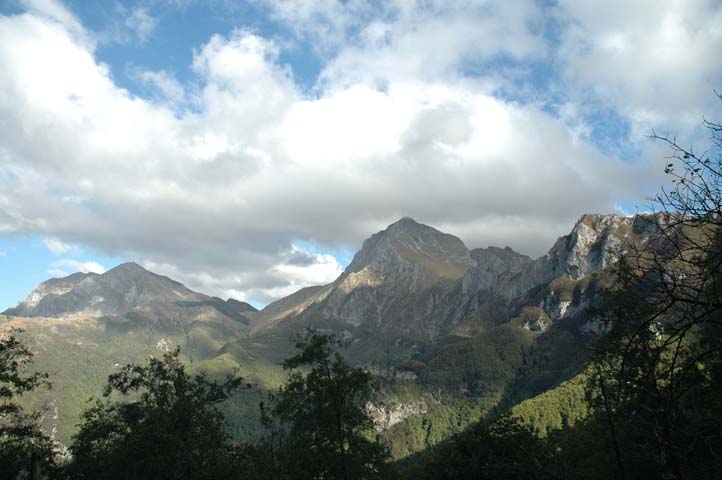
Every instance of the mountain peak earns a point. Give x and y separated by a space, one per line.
128 267
406 226
114 292
409 241
405 221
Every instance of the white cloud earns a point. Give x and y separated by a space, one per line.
301 268
57 246
163 82
66 266
435 41
327 23
220 195
140 23
54 10
294 269
654 62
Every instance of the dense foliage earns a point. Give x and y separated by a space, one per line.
659 368
318 423
23 447
163 426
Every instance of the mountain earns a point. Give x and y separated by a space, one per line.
454 332
85 326
413 281
390 286
130 292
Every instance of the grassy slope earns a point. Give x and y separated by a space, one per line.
79 355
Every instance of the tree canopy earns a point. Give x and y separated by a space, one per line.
23 446
319 414
659 367
156 421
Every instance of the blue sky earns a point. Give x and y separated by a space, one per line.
29 260
247 148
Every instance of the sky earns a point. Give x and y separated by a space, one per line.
247 149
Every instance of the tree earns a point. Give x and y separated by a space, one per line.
660 367
495 450
164 427
319 419
23 446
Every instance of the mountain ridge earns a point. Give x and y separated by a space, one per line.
126 291
408 279
399 282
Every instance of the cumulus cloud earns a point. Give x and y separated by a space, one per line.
62 268
432 41
327 23
294 269
222 195
162 82
58 247
654 62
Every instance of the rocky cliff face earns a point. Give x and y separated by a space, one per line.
414 281
393 285
493 267
385 415
595 243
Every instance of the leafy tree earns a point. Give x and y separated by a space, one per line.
164 427
318 418
659 370
23 446
498 450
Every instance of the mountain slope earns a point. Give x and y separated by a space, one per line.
128 292
115 292
412 281
85 326
389 287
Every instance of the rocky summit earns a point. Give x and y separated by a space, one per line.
414 281
127 291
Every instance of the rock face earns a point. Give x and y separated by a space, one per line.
407 243
413 281
595 243
128 291
385 415
393 284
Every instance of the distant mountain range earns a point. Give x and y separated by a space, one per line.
473 329
128 291
408 280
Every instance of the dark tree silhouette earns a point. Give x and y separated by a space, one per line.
23 446
164 426
319 418
660 366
